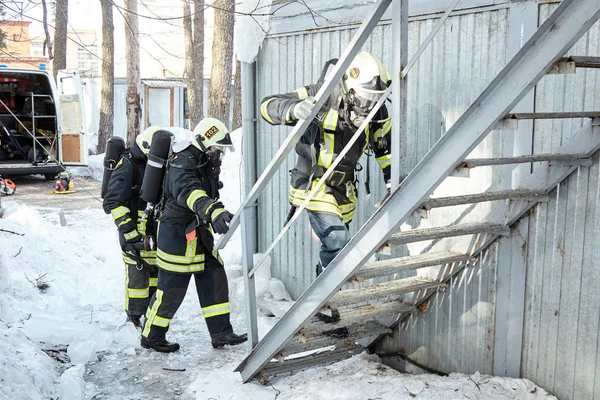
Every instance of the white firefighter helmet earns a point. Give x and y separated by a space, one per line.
210 132
366 79
144 139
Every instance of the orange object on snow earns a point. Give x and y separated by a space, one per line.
7 186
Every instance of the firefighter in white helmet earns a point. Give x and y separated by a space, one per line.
332 209
191 213
122 200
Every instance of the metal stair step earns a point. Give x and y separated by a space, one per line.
481 162
554 115
534 195
569 65
382 290
583 61
395 265
439 232
354 318
296 364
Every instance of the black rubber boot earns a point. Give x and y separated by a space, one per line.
160 345
135 320
228 339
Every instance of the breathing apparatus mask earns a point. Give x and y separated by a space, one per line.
364 83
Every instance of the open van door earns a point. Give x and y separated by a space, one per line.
71 119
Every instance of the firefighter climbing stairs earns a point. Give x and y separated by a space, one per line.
345 310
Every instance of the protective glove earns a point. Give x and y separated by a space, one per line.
302 110
220 221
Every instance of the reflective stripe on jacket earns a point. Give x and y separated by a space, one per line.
192 192
320 145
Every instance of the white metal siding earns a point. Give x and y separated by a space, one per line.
562 310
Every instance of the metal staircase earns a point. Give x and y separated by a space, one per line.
364 310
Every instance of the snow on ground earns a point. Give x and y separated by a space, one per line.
64 334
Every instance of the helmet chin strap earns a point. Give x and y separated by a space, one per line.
202 146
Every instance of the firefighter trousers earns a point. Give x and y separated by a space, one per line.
213 294
333 233
140 285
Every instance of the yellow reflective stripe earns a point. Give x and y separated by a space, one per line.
143 222
148 255
181 259
217 309
366 144
124 222
321 202
387 127
302 93
188 268
216 255
288 114
128 260
216 213
119 212
326 153
160 321
153 282
130 235
126 285
264 111
138 293
384 161
151 313
194 196
330 121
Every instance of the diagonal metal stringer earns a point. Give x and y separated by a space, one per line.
551 41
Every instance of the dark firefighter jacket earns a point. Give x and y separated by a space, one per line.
190 204
123 202
321 143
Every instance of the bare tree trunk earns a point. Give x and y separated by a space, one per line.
193 30
132 56
107 104
219 95
61 18
237 97
47 41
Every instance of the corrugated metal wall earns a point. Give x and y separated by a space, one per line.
562 310
456 332
467 53
561 341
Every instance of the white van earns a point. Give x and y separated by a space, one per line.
42 128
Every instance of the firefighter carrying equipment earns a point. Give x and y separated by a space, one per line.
63 183
7 187
122 200
328 134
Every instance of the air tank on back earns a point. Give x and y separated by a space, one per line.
114 148
156 166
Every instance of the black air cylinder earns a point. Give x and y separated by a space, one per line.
156 166
114 148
